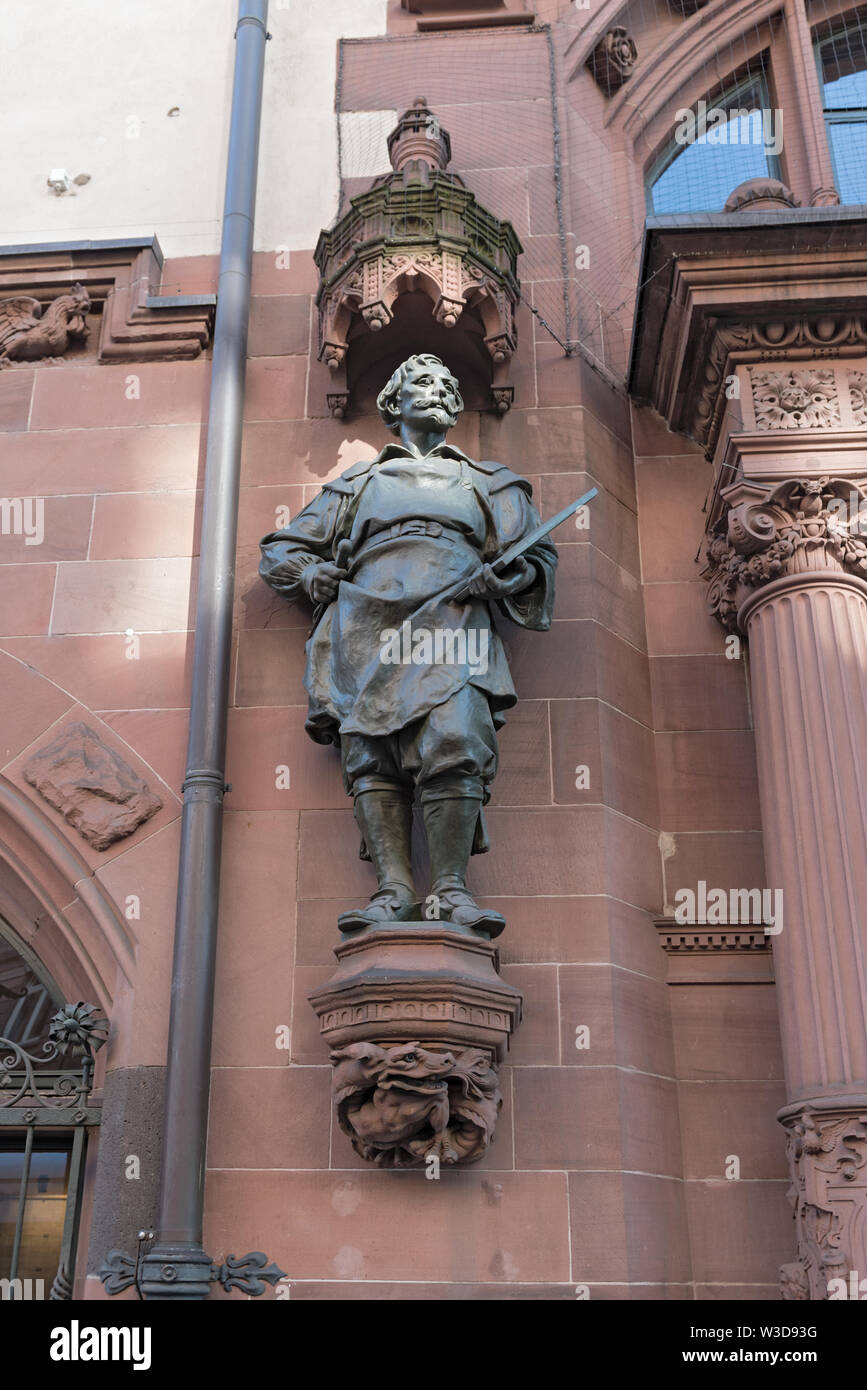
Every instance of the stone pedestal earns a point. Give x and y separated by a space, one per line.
418 1019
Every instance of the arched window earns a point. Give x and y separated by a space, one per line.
842 59
44 1120
721 142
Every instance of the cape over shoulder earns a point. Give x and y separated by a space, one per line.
497 475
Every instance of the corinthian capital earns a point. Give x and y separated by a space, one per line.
801 526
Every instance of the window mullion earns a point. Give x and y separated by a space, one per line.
22 1203
61 1288
809 102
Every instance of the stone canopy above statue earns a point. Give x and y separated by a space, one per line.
417 255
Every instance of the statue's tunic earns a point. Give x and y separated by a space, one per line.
408 530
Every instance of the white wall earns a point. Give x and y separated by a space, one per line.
88 84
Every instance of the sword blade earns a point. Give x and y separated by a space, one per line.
512 553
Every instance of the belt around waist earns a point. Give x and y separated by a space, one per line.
416 528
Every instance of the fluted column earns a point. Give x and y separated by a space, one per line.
788 570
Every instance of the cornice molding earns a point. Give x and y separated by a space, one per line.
702 939
718 291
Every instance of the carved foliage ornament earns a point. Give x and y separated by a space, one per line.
400 1104
803 525
858 397
795 399
776 340
613 60
828 1169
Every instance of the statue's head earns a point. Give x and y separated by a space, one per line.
422 392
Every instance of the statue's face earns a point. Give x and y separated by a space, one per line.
429 398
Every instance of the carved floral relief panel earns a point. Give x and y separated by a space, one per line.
804 395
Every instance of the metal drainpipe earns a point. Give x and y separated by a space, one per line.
177 1265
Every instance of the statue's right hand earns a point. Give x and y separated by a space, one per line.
321 581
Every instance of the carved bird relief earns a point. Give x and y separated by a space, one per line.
27 332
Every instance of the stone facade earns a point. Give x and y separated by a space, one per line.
637 1134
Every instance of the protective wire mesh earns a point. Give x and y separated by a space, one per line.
577 155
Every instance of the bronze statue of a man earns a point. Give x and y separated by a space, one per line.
406 672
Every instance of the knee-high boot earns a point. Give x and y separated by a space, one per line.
450 825
385 820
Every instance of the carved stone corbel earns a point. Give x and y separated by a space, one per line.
139 324
417 1020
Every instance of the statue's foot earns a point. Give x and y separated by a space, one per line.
457 905
391 904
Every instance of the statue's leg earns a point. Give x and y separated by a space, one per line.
383 810
456 752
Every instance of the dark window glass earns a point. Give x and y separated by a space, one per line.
707 159
26 1002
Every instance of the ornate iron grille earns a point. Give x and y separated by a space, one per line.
39 1101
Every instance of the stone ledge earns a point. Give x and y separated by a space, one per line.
122 281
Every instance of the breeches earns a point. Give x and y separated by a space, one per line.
452 751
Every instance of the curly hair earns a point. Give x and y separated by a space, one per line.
387 400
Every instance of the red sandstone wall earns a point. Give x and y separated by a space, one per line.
724 1019
584 1183
608 1166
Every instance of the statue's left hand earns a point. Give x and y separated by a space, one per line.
486 584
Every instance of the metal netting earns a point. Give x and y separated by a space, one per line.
780 94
